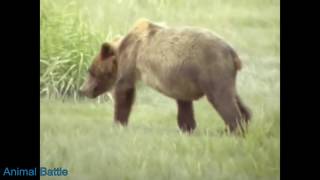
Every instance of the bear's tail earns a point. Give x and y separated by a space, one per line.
237 63
235 58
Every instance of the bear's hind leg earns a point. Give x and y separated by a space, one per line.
224 101
186 120
245 110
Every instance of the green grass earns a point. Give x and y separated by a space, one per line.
82 137
79 134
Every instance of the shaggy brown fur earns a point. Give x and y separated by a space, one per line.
184 63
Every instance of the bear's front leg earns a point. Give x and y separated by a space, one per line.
124 98
186 120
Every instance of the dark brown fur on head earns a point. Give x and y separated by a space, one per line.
102 72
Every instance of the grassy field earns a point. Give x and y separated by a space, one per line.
79 134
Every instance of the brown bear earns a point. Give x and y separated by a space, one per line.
184 63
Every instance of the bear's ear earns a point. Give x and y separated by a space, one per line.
106 51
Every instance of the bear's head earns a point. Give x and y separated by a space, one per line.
102 73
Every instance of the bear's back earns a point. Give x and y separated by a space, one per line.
170 47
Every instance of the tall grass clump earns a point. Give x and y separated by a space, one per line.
67 43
